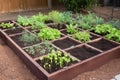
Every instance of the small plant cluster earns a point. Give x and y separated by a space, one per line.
56 60
103 29
49 34
109 31
59 17
71 29
115 23
82 36
38 21
6 25
89 21
39 49
28 38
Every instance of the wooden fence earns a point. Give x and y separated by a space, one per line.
20 5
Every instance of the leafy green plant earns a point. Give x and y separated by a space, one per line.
38 25
103 29
30 50
89 21
49 34
56 60
71 29
77 5
56 16
23 20
67 17
6 25
28 38
82 36
115 23
39 17
114 35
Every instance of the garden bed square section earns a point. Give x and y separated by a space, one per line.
83 52
103 44
64 43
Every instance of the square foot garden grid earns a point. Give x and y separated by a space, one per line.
89 55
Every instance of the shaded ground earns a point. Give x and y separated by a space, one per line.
12 68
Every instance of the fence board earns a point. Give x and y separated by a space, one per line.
17 5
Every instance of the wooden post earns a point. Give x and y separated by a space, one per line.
50 4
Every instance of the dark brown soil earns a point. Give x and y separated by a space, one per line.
103 45
48 21
13 31
65 43
83 52
57 26
93 37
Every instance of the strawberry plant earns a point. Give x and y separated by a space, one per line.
82 36
49 34
56 60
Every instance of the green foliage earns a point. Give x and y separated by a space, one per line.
30 50
55 61
40 18
67 17
115 23
114 35
28 38
56 16
23 20
49 34
71 29
6 25
103 29
41 49
77 5
89 21
38 25
82 36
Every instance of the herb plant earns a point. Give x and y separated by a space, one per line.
82 36
28 38
71 29
7 25
56 60
49 34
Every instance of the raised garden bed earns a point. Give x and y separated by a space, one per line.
87 55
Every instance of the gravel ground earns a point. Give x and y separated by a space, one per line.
12 68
